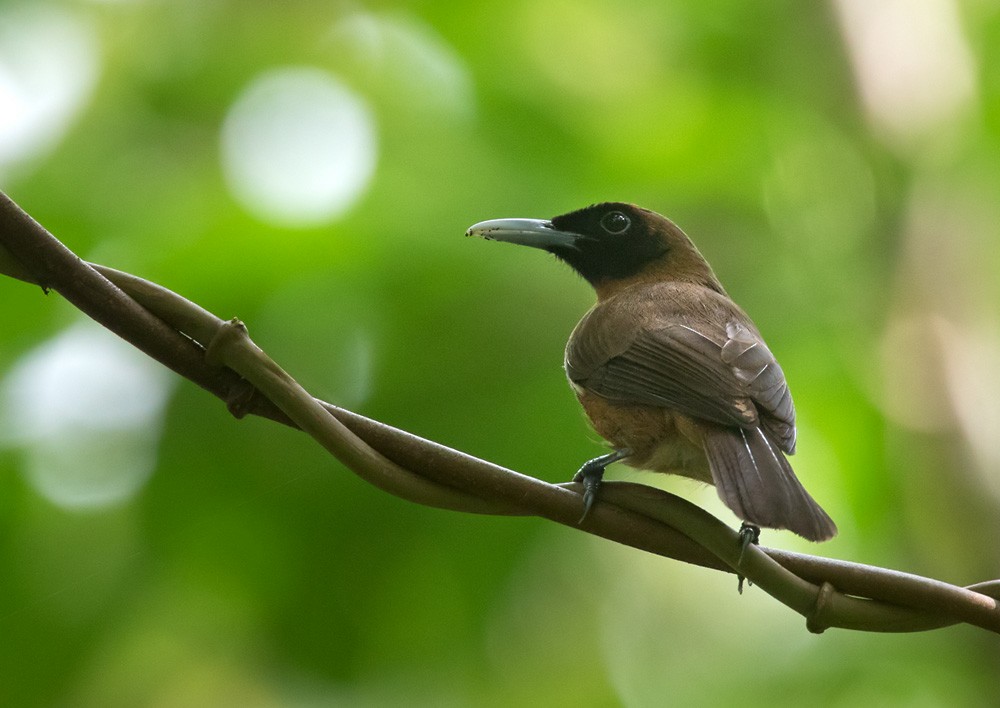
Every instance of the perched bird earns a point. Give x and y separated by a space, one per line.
669 369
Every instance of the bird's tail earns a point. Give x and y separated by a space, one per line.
755 480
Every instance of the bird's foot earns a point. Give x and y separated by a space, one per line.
749 534
591 474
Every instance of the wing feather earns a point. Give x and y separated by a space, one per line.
722 373
758 484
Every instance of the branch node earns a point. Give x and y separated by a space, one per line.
817 622
228 333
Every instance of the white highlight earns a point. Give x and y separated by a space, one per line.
85 408
48 68
746 444
298 147
913 65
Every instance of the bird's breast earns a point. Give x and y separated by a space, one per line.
661 440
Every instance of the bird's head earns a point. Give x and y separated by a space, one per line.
610 245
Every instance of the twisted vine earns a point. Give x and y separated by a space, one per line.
219 356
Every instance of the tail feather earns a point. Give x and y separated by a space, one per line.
755 480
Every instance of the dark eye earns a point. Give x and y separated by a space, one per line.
614 222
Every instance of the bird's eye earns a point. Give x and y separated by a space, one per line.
615 222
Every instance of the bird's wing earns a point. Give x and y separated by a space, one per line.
724 374
755 367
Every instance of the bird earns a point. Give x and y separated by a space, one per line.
669 369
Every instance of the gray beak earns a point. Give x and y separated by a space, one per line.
526 232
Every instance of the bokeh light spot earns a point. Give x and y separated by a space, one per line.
298 147
85 408
331 349
48 68
408 62
912 63
819 192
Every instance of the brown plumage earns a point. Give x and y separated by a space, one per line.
669 369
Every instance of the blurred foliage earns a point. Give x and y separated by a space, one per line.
851 209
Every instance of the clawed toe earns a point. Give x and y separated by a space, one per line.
590 475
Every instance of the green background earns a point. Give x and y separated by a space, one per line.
847 200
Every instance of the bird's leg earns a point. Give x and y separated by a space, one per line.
749 534
591 473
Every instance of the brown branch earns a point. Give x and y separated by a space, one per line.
218 356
